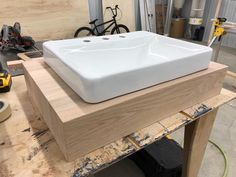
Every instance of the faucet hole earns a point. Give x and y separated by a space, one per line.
122 36
86 40
105 38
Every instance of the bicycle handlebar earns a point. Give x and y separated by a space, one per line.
113 10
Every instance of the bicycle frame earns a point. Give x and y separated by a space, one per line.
112 21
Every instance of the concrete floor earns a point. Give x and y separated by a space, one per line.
224 132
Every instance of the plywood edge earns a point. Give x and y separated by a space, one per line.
224 97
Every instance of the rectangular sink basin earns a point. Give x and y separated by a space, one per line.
101 68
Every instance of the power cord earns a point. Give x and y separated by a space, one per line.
226 170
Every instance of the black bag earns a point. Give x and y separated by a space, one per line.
163 158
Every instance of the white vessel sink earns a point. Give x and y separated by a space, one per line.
101 68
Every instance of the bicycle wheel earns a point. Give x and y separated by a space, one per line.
121 29
84 31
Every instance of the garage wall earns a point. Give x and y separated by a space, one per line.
96 12
128 12
228 10
46 19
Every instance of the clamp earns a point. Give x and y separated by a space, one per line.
219 29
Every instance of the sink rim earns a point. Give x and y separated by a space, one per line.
113 38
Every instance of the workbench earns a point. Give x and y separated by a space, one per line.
27 147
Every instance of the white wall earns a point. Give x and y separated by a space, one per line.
44 20
128 12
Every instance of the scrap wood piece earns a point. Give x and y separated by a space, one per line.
31 54
22 56
230 73
210 104
15 67
149 134
159 129
175 122
103 157
15 63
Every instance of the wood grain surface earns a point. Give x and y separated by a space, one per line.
80 127
44 20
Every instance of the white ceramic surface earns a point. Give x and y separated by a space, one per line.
101 68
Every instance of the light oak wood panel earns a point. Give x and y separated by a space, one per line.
128 13
43 20
86 127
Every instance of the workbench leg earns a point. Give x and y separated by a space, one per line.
196 137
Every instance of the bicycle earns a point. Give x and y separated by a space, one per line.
118 28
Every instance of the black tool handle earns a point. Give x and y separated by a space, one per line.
222 19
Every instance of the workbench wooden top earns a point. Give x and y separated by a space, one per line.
27 147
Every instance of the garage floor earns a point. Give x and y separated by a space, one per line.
224 132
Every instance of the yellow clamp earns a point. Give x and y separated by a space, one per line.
219 31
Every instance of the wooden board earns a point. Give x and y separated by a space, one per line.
30 55
232 74
76 125
15 67
127 17
27 147
44 20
